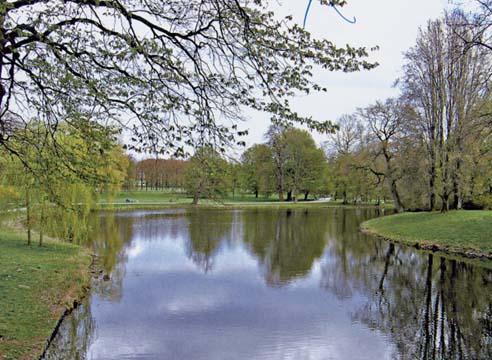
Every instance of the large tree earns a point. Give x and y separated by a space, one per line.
168 70
385 122
66 179
305 164
257 169
207 175
278 145
445 81
354 170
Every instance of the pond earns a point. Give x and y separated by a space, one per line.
273 284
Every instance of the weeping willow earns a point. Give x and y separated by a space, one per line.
59 178
68 216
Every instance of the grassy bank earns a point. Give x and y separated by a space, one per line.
467 233
166 195
162 199
229 205
37 285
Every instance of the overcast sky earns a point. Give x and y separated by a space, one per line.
390 24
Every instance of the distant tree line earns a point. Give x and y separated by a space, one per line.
155 174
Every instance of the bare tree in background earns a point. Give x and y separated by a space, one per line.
385 123
445 82
348 134
479 25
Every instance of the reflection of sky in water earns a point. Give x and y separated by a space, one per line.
170 309
274 285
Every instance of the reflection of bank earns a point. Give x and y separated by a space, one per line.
77 330
108 237
431 307
427 307
74 337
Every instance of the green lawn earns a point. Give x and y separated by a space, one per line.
462 232
37 285
165 196
151 197
155 198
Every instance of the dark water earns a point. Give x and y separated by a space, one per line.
273 284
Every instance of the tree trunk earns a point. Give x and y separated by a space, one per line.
294 195
457 202
306 194
256 193
280 195
396 196
197 194
289 195
28 216
445 188
3 11
445 202
391 180
41 225
196 197
432 186
431 147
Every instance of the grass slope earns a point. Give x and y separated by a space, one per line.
37 285
462 232
165 199
165 196
152 197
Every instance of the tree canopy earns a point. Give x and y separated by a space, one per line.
207 175
58 185
169 71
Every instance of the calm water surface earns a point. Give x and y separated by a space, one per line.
273 284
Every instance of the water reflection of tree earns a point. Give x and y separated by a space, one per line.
346 247
74 336
207 230
159 225
110 235
433 308
108 238
286 242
